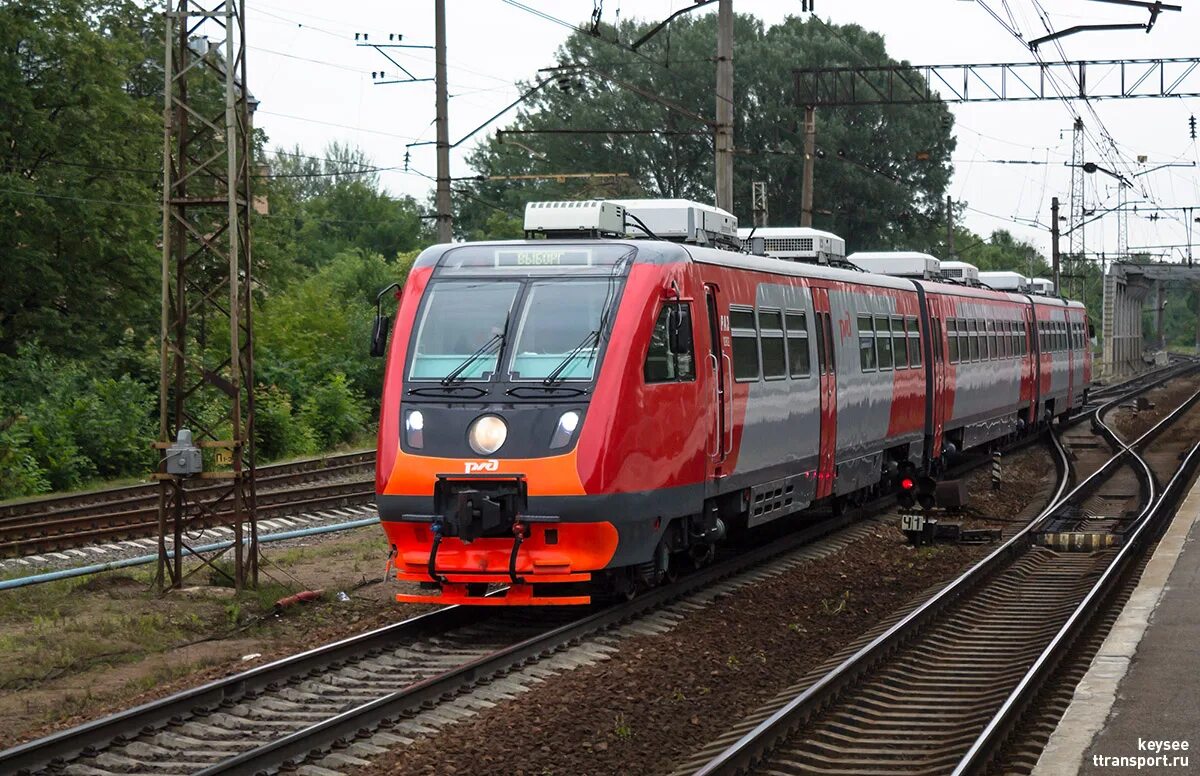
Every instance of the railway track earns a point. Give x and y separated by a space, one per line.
943 688
330 704
59 523
394 683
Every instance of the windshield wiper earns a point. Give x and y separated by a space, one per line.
471 359
557 390
467 391
593 336
496 340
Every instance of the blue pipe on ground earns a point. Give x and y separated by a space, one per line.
141 560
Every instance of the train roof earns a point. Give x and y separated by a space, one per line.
664 252
794 268
971 292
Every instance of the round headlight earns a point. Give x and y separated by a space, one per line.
569 421
487 434
416 421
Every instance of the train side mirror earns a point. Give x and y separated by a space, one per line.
379 335
680 328
379 331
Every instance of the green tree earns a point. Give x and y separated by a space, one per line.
876 194
80 141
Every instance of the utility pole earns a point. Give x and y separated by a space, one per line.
758 202
1054 240
444 218
206 388
723 135
950 226
810 159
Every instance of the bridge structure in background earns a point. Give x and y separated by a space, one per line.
1126 289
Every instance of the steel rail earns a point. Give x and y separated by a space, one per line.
53 503
66 744
743 754
92 736
1000 725
76 531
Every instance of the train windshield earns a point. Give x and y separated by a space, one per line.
462 325
558 334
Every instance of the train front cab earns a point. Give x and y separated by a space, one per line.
590 456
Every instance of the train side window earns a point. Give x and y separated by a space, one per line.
866 343
973 338
914 340
1004 337
663 365
883 342
745 344
952 338
774 350
993 343
799 364
821 343
899 343
830 350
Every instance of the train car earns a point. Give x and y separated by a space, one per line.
587 412
984 384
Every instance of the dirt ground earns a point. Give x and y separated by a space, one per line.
661 697
78 649
1130 423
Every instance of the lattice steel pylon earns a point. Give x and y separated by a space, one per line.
758 200
207 369
1075 220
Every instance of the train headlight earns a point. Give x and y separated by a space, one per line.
414 428
567 423
487 434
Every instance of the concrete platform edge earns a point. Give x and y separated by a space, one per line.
1096 693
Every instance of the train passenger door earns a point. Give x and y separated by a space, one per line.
1070 325
827 370
722 393
937 359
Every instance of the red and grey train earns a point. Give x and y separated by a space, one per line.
581 412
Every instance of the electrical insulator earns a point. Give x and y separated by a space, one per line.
1192 126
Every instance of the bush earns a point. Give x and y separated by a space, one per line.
277 431
334 411
20 474
113 426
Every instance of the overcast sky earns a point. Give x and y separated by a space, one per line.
315 85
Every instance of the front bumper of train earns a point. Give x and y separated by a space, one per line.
548 553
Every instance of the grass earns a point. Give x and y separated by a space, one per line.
75 625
